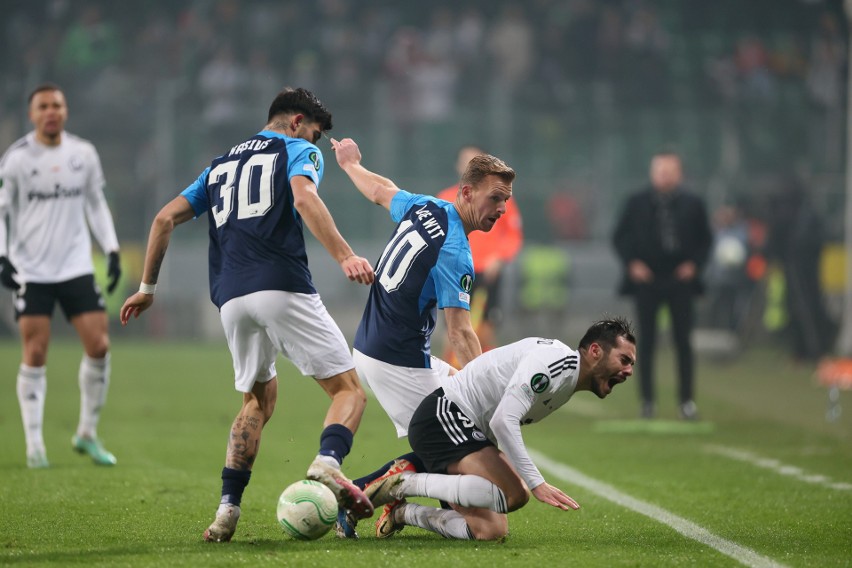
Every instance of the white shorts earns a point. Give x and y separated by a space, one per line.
261 325
399 390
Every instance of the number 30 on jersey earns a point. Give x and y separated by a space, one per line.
258 170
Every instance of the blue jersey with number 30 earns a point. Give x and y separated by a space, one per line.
426 265
256 235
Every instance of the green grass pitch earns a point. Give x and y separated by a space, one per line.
763 472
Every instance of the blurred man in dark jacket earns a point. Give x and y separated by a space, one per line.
663 239
796 239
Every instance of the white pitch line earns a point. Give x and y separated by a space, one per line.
685 527
778 467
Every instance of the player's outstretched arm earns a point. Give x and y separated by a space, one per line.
378 189
546 493
321 224
174 213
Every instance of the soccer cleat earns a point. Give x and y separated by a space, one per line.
93 447
349 496
387 526
688 410
225 525
37 460
381 490
345 525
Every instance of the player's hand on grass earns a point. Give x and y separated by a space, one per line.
551 495
358 269
135 305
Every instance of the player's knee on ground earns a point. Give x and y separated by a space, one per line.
491 530
516 496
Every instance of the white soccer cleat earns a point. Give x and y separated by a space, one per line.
349 496
37 460
225 525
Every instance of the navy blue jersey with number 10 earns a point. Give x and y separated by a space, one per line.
425 265
256 234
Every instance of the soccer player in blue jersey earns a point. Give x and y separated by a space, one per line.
426 265
257 196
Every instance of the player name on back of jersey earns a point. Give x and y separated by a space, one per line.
253 144
431 224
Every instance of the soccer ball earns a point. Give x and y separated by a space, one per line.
307 510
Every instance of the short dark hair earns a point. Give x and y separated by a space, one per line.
42 88
606 333
290 101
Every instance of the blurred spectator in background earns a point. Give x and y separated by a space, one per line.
827 63
511 45
825 79
796 239
91 44
646 49
728 284
222 81
663 239
756 77
491 251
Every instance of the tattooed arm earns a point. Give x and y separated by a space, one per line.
173 214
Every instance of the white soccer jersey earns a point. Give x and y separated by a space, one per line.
510 386
47 195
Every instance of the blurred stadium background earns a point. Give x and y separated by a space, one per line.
575 94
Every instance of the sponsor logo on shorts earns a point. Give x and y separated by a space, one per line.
539 382
478 436
466 282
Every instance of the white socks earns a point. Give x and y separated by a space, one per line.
464 490
94 382
445 522
32 389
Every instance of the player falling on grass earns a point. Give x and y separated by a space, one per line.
51 194
257 197
468 432
426 265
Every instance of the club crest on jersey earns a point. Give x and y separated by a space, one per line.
466 282
314 158
539 382
75 163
